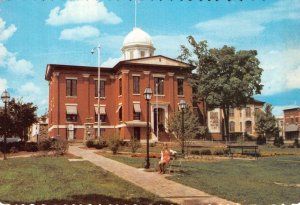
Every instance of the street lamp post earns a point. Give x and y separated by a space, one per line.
147 96
5 99
182 105
157 84
98 90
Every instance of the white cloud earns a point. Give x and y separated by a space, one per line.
170 49
281 70
111 62
250 23
3 55
3 84
278 110
293 79
6 33
19 67
29 88
79 33
82 12
9 60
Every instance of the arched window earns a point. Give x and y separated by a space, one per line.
231 126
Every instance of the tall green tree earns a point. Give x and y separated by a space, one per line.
21 116
190 123
265 122
225 77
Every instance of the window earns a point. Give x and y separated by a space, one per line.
136 111
159 82
71 113
120 114
231 112
102 117
240 112
131 55
136 85
71 118
231 126
136 115
180 86
120 86
102 88
142 54
102 114
71 87
248 112
241 127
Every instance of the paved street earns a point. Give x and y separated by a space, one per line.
150 181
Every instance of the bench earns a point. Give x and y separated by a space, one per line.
243 147
175 163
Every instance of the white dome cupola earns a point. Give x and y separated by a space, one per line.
137 44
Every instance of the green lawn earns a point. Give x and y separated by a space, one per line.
52 180
268 180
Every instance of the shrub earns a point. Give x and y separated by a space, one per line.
278 141
134 144
261 140
114 144
89 143
205 152
59 146
13 149
219 152
296 143
31 147
195 152
45 145
152 144
123 143
99 144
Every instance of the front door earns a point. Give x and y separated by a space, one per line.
137 133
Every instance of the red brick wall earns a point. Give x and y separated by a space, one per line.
86 100
291 116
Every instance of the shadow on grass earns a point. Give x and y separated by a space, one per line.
95 199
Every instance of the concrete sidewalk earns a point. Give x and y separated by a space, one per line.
150 181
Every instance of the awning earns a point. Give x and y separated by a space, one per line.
291 128
102 110
137 107
119 108
71 109
136 124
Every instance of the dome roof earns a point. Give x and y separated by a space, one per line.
137 37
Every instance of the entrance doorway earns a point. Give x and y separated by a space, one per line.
159 120
249 127
137 133
70 132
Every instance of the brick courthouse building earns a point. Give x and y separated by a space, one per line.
73 93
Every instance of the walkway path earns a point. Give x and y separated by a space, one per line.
150 181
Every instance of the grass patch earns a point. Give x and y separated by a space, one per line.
246 182
51 180
268 180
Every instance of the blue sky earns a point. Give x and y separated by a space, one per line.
36 33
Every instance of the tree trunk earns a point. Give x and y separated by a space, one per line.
226 122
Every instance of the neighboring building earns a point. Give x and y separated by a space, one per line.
280 125
291 123
241 120
73 93
39 130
